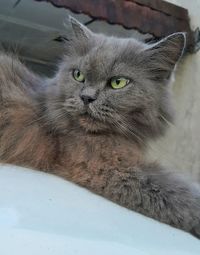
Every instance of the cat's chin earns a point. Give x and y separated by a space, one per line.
92 125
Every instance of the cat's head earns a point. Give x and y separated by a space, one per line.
115 85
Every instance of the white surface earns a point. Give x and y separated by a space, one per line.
43 214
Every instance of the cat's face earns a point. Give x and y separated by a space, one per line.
108 84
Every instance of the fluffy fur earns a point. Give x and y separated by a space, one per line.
44 124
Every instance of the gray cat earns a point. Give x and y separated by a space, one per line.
90 124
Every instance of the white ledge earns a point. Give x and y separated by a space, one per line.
45 215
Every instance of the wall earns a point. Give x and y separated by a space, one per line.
180 148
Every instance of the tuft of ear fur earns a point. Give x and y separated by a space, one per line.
162 56
80 39
79 30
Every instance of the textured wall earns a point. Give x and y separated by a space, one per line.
180 148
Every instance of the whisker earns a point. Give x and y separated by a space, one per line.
122 125
169 123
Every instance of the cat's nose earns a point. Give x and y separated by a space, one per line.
87 99
88 95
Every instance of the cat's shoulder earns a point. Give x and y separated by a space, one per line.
14 74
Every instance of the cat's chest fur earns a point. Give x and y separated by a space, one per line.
83 157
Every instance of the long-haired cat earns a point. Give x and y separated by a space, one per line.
91 122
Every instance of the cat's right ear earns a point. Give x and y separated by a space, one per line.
80 31
80 39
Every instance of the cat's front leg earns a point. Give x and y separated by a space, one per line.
156 193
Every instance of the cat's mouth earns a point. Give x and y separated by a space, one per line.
92 124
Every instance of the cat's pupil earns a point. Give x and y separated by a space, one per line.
118 81
78 73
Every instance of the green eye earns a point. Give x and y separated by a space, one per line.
78 75
119 83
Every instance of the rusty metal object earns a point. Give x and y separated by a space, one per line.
156 17
165 7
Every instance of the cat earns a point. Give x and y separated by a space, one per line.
91 122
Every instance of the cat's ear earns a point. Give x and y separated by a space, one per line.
162 56
79 30
80 39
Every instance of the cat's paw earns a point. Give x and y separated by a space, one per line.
195 231
194 216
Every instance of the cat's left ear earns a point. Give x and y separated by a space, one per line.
162 57
79 30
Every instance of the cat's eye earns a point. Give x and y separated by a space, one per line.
78 75
119 82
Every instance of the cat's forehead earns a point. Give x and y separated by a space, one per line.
111 53
112 48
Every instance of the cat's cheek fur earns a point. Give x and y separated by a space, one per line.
74 106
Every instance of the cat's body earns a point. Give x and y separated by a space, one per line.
94 136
